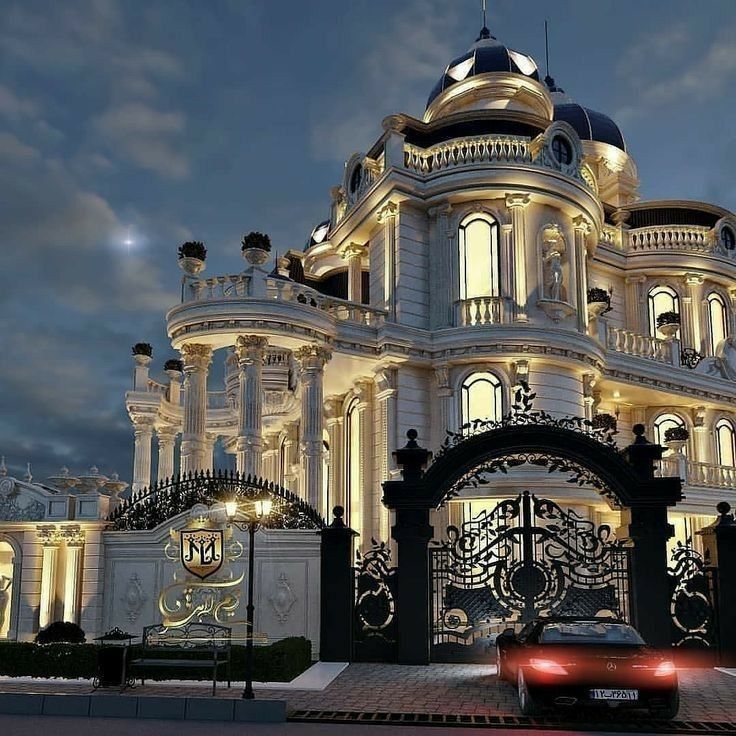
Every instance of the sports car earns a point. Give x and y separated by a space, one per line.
586 662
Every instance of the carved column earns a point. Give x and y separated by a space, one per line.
732 299
291 466
270 462
507 273
445 418
702 421
335 431
249 350
387 382
387 217
582 229
636 306
443 268
516 203
166 442
197 359
74 537
312 360
49 561
364 408
210 439
354 254
143 430
694 322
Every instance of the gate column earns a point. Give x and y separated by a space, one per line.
646 525
412 533
719 542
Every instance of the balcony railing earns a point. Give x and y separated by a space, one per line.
676 237
694 473
470 150
480 310
234 286
640 346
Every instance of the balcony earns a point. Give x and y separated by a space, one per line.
673 238
465 151
640 346
480 310
694 473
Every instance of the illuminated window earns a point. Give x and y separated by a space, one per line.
352 461
728 238
661 299
355 178
562 150
479 267
481 397
717 316
664 422
726 443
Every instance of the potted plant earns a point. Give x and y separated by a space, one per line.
143 348
599 301
192 255
668 323
256 248
676 437
606 422
174 364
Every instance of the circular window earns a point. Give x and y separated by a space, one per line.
562 150
728 238
355 178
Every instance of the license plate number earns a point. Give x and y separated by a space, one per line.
608 694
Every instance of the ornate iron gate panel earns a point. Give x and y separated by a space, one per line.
523 558
694 624
374 633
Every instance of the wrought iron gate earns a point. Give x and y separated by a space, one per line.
523 558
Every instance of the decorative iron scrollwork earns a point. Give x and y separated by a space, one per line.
691 602
153 506
375 605
523 558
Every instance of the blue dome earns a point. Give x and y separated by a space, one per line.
590 125
485 55
318 235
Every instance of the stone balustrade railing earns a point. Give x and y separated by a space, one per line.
695 473
232 286
156 387
640 346
469 150
674 237
480 310
610 236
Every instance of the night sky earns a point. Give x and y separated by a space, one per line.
174 120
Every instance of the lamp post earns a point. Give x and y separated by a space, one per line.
261 508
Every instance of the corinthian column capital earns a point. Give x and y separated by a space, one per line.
312 357
517 200
582 225
354 250
249 348
196 357
387 212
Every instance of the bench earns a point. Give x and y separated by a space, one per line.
192 646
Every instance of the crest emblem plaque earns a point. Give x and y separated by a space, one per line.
201 551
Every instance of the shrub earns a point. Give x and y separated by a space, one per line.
598 295
61 631
256 240
668 318
193 249
173 364
676 434
604 421
143 348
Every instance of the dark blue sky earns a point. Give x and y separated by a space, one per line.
181 119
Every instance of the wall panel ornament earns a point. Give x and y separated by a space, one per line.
15 507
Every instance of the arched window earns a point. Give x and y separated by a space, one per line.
481 397
352 460
718 320
478 250
726 443
661 299
664 422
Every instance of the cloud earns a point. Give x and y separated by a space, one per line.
144 135
403 64
13 107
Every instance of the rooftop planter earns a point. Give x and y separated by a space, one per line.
676 434
599 302
668 323
192 256
174 364
256 248
143 348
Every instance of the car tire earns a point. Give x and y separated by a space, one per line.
527 704
501 672
670 711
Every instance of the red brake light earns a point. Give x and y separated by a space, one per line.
548 666
665 669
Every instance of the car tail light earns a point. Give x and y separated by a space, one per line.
548 666
665 669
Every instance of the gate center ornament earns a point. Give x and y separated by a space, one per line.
205 587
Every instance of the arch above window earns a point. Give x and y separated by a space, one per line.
481 397
661 299
717 320
664 422
726 443
478 252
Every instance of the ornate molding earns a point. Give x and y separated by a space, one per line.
582 225
133 598
250 349
74 536
196 357
282 600
312 357
388 212
517 200
354 250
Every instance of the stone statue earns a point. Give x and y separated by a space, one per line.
555 276
5 583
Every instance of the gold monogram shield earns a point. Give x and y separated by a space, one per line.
201 551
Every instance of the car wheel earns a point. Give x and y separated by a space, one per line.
501 672
670 711
528 705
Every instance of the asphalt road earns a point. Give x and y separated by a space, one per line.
68 726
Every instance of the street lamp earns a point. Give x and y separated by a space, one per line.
261 509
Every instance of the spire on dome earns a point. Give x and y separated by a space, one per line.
484 34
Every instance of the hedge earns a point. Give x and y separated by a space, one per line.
281 661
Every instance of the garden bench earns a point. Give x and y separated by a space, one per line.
193 646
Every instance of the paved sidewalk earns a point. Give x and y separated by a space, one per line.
706 694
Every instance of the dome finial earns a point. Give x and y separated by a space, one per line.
484 32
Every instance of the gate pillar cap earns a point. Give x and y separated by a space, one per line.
411 458
642 454
338 526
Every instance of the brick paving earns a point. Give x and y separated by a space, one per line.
706 694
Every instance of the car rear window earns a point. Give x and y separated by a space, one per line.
589 632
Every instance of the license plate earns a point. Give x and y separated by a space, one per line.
606 694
